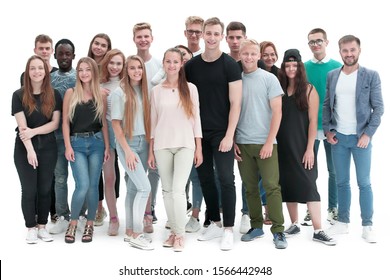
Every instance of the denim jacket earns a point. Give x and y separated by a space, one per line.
369 102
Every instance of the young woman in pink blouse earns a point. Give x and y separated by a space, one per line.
175 141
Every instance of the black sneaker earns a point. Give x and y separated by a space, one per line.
54 218
307 220
189 207
154 216
207 221
322 237
292 230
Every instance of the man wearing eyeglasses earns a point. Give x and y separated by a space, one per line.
317 69
193 33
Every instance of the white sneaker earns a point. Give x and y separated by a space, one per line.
227 240
141 243
192 225
32 236
369 234
332 216
81 223
337 228
127 238
245 224
211 232
60 226
44 235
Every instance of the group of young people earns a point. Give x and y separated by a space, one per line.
187 118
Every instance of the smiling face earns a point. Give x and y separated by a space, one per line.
115 65
99 48
172 62
36 70
143 39
64 55
213 35
85 72
135 70
249 55
269 57
350 52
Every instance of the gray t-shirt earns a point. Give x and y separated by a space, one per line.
118 101
258 88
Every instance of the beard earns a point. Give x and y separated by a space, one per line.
350 61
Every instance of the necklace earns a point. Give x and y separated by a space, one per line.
170 86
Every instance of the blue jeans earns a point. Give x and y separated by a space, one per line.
137 183
341 152
61 181
197 195
332 187
153 177
86 169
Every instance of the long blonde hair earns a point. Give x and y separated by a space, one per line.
77 96
131 100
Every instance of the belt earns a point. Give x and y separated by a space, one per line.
84 134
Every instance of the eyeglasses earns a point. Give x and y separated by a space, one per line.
317 42
191 32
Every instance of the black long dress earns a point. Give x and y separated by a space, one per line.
298 184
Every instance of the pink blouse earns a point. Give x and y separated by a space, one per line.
170 126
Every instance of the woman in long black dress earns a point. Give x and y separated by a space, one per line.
297 132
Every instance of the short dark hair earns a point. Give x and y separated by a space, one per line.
318 30
236 25
63 42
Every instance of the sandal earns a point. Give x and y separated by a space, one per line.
70 234
88 234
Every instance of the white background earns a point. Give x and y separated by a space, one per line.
286 23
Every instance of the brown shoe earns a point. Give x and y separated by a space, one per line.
88 234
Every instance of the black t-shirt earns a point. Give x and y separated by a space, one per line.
36 118
212 80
